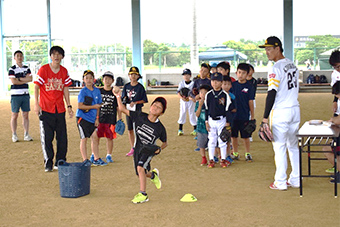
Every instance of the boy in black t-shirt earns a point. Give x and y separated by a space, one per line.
148 129
244 93
134 97
107 117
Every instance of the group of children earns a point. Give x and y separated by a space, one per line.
216 101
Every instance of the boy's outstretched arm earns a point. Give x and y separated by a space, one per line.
121 107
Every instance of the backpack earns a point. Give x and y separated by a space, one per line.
317 79
119 81
310 79
323 79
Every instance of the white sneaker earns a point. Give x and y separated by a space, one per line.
28 138
14 138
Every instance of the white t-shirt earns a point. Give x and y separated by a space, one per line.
284 78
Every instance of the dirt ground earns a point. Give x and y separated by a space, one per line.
236 196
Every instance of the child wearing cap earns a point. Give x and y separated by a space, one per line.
253 82
150 129
107 117
244 94
134 97
89 103
217 102
186 104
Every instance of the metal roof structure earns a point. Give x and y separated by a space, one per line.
137 44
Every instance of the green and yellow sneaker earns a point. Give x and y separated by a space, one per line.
330 170
140 198
156 179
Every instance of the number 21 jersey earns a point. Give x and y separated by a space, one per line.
284 78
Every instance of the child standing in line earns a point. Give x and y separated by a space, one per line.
148 130
224 68
89 103
186 104
134 97
107 117
244 93
226 86
202 133
217 102
253 82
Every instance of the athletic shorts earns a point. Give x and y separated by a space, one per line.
238 126
20 101
106 130
85 128
142 160
202 140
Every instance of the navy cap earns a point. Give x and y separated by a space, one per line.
134 70
216 76
186 71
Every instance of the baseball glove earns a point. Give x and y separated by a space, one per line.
225 135
150 149
265 133
120 127
195 91
250 127
184 92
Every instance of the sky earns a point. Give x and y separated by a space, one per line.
102 22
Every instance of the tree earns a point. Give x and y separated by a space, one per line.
149 48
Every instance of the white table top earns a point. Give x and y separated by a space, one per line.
326 129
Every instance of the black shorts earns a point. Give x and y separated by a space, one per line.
85 128
142 160
238 126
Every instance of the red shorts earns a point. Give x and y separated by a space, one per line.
106 130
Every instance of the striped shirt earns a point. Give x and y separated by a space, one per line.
19 72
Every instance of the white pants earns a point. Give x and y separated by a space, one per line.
216 127
185 107
285 125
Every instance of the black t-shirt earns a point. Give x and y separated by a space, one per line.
133 94
146 132
108 111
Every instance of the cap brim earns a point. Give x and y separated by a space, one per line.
266 45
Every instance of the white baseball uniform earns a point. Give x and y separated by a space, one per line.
285 120
186 106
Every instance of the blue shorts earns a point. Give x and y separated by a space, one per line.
20 101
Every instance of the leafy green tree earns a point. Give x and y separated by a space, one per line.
149 49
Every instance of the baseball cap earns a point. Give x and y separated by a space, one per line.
86 72
272 41
161 100
134 70
216 76
205 65
186 71
214 65
108 73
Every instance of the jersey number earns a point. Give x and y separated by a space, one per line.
292 81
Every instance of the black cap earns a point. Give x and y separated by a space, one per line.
186 71
108 73
134 70
216 76
272 41
205 65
